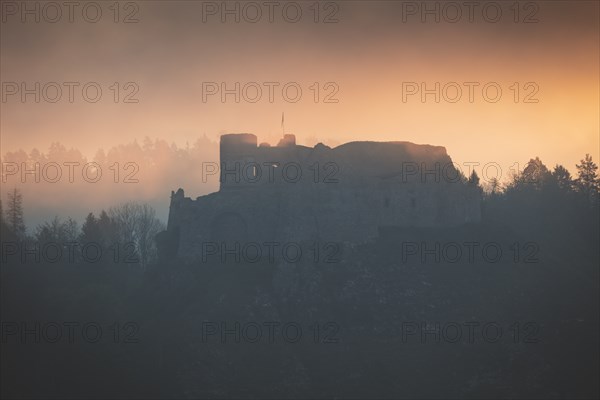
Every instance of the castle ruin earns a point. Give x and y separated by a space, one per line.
296 193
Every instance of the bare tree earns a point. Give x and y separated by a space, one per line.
137 223
58 230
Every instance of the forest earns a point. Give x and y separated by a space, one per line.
90 310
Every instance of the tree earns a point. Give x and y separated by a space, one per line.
535 173
587 181
14 213
107 228
137 224
5 233
148 227
124 218
71 230
52 231
533 177
494 186
57 231
561 178
473 179
90 230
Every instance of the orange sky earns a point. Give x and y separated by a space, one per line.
368 54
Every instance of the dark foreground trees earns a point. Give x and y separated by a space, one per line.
353 313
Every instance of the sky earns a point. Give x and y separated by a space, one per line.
361 66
